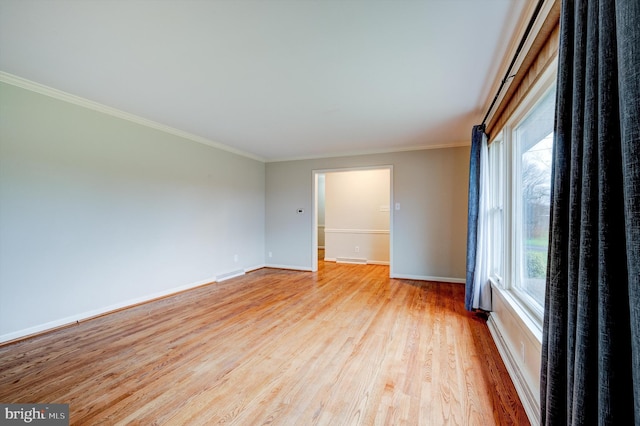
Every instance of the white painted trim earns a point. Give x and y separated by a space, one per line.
314 220
368 262
377 262
86 103
314 210
507 353
529 323
228 275
352 260
544 81
294 268
429 278
355 231
254 268
372 152
14 80
41 328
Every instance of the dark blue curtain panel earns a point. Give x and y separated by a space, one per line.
590 372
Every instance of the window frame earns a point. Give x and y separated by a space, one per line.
497 208
506 170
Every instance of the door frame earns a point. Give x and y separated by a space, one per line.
314 210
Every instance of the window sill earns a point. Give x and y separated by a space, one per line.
532 324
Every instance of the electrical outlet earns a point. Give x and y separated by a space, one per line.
357 249
270 254
235 257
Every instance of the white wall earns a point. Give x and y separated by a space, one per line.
97 212
429 230
357 215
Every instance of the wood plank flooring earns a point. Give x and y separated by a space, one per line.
343 346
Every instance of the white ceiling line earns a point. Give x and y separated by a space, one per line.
374 152
95 106
14 80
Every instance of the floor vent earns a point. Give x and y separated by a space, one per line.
229 275
357 260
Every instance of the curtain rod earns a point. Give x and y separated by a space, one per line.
536 11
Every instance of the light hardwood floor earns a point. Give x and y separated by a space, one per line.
343 346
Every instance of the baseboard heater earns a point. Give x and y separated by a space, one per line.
356 260
228 275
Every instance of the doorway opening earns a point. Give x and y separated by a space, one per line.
352 215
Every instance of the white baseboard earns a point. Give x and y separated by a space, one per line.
295 268
378 262
429 278
353 260
63 322
229 275
509 357
51 325
368 262
254 268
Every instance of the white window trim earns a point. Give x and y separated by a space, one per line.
498 279
521 302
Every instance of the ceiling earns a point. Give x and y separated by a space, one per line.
277 79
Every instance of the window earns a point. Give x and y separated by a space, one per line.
533 143
496 212
520 191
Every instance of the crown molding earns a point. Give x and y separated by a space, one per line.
95 106
371 152
86 103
